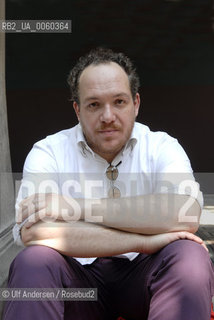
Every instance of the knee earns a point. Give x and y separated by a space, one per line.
36 257
187 251
188 260
32 262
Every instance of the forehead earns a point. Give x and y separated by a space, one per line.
103 78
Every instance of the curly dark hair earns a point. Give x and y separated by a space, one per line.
99 56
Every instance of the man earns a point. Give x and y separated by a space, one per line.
108 204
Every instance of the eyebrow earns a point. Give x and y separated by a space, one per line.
90 98
121 94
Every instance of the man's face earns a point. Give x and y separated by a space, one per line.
106 110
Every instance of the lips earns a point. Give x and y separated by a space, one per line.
108 132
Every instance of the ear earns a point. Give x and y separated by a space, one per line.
136 104
76 109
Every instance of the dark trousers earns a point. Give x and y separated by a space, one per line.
176 283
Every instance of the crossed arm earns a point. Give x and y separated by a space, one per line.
86 228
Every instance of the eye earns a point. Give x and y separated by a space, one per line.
120 102
93 105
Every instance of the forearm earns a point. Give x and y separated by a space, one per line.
83 239
147 214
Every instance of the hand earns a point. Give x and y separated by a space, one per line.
40 231
156 242
48 207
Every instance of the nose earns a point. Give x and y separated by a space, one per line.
107 114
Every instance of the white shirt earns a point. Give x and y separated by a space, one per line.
152 162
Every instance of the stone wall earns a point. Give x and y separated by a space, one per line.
7 248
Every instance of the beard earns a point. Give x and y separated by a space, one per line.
108 147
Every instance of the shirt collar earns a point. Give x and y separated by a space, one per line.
131 143
81 142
